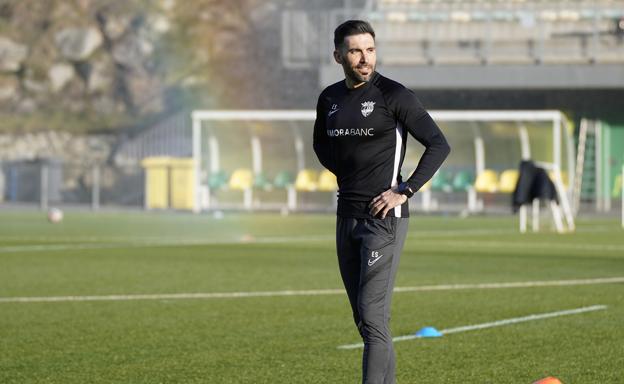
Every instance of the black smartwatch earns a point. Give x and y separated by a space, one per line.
404 189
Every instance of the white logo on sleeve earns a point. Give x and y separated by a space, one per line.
367 108
333 110
374 257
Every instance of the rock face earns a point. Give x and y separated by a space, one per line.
100 76
132 51
89 149
78 43
106 66
12 55
59 75
115 26
9 88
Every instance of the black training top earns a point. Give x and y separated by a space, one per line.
359 135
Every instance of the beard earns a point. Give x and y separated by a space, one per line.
360 73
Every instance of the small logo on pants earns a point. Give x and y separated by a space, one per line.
374 257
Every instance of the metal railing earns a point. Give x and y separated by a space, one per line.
46 183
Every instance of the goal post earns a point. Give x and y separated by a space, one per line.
553 125
200 116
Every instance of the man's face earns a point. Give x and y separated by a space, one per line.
357 56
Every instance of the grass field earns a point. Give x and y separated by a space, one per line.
293 338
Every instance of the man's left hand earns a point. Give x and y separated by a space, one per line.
385 201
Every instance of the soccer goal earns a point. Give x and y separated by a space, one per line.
238 150
248 152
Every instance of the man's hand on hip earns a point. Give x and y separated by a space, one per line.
386 201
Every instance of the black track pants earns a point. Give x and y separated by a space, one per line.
368 255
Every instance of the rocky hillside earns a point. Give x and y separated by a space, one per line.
105 65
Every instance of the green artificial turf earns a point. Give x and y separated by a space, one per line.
294 339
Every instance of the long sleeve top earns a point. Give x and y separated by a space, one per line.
360 136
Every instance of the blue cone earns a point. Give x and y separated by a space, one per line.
428 332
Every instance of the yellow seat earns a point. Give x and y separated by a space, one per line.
487 181
564 177
327 181
306 180
508 181
241 179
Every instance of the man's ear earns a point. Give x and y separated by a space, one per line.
337 56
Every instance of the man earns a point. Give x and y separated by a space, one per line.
360 136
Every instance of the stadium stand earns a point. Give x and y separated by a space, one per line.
471 33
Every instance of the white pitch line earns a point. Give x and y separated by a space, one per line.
159 239
163 243
499 323
507 246
535 245
328 236
310 292
56 247
518 284
172 296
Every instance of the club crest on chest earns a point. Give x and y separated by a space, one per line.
367 108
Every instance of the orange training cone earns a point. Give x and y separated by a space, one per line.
548 380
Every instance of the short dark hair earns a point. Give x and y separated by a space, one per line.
349 28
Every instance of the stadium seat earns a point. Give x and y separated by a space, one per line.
283 179
441 181
306 180
241 179
487 181
261 181
508 181
217 180
564 177
462 181
327 181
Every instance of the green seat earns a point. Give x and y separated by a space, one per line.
261 181
441 181
217 180
462 181
283 179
